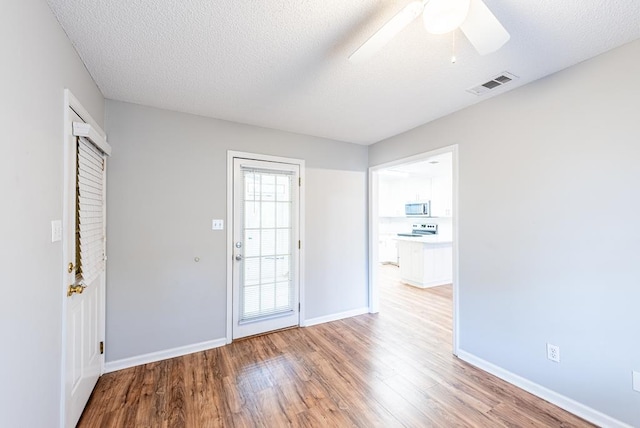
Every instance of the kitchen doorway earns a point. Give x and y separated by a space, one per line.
413 229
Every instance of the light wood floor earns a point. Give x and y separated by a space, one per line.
387 370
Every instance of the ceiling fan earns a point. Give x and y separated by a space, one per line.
473 17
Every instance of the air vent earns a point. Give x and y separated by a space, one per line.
491 84
497 81
502 79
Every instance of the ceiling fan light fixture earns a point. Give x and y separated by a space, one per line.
473 17
443 16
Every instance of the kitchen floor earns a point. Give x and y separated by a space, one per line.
431 306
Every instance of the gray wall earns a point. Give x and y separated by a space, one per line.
549 231
167 180
36 67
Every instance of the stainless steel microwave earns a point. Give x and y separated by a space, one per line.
418 209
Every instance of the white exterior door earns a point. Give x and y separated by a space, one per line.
266 246
84 252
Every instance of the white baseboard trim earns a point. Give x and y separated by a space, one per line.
152 357
553 397
335 317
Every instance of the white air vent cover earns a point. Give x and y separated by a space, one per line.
497 81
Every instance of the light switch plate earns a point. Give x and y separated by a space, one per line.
56 230
217 224
636 381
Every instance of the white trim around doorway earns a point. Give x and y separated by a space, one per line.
374 295
231 154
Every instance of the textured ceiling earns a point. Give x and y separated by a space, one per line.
283 64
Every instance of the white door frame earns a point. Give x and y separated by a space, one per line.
231 154
71 102
374 294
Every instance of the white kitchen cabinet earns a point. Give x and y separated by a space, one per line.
388 250
391 202
416 189
395 192
441 196
411 265
438 269
425 263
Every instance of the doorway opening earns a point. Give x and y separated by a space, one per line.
413 233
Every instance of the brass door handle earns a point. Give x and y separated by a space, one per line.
75 289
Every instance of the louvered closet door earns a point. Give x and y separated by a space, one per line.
266 252
90 211
86 279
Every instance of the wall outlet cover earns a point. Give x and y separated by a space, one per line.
553 352
217 224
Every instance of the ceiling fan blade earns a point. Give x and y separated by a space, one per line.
388 31
483 29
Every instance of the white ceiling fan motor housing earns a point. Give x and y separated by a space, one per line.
443 16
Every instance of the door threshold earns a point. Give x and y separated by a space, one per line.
265 333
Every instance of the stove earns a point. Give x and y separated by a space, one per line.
421 229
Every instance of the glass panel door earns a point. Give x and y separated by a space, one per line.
265 241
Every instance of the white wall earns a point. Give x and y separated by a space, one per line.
549 232
167 180
38 62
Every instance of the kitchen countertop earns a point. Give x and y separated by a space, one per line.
427 239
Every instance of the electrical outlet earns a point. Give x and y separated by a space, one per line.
636 381
217 224
553 352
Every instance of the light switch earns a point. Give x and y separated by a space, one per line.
56 230
636 381
217 224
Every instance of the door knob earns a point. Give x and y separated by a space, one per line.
238 257
75 289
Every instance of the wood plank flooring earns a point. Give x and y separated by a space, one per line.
391 369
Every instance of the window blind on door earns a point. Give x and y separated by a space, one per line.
90 239
267 234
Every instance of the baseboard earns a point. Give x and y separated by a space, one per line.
566 403
335 317
152 357
139 360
